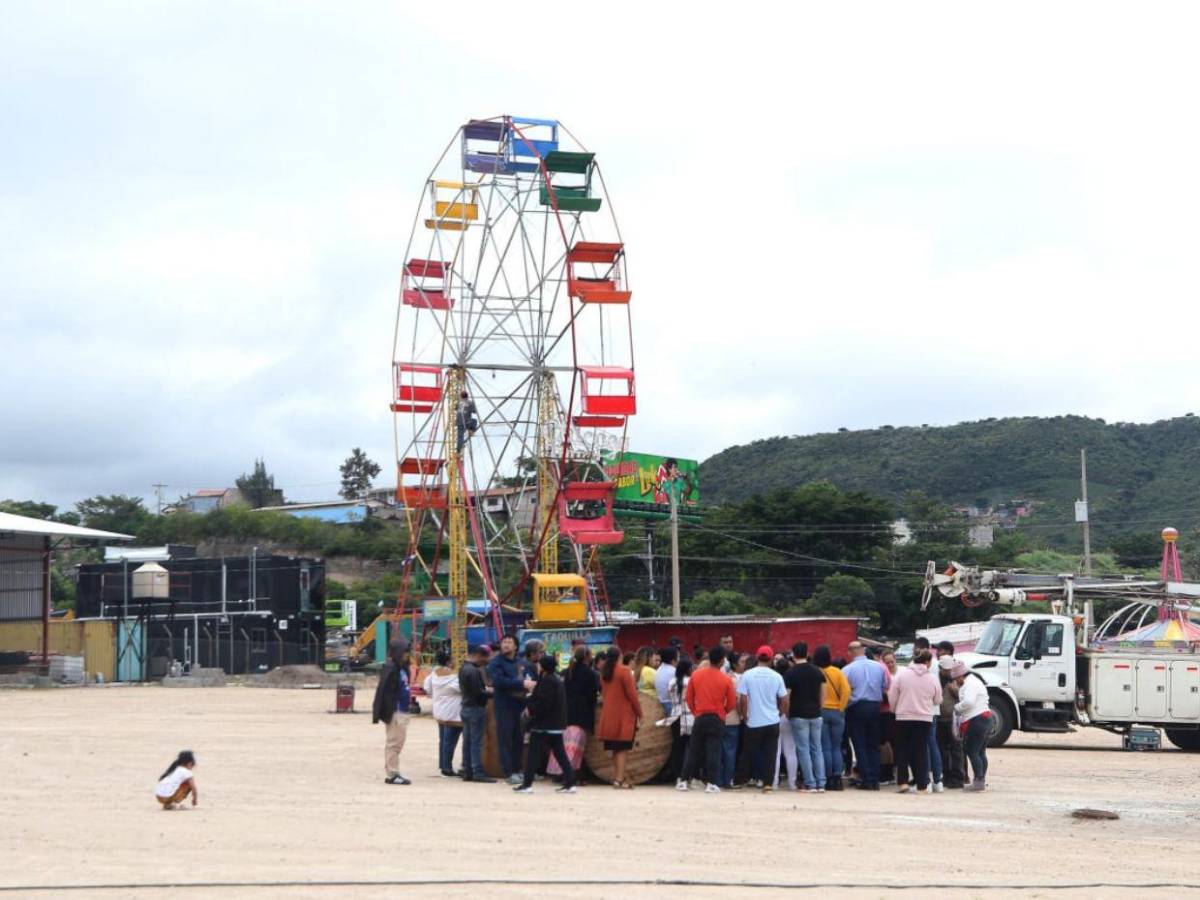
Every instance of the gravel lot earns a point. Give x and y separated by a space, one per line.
290 793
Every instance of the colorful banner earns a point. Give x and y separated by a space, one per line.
562 641
648 478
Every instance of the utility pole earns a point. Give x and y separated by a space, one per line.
674 493
158 493
650 562
1081 514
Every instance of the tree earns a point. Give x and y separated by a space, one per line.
62 590
721 603
358 471
34 510
115 512
1138 550
773 547
643 608
30 508
259 487
842 595
931 521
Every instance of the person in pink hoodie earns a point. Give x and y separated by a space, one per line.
915 694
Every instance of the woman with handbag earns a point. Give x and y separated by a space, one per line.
582 686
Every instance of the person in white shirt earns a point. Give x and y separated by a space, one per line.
762 698
178 781
442 687
975 712
664 675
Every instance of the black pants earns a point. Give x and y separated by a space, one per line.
952 754
678 750
705 746
914 750
764 742
553 740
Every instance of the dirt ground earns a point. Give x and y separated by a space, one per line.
292 803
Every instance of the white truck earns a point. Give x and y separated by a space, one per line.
1038 679
1048 672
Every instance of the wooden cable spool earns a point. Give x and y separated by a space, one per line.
651 746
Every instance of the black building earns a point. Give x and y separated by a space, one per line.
241 614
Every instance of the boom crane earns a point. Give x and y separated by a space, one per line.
1064 592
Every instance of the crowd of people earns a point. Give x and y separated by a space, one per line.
737 720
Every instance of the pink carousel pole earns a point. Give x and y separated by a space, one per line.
1171 570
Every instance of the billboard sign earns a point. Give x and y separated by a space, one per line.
648 478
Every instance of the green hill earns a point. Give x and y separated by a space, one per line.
1140 476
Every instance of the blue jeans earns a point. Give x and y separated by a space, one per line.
979 729
474 719
447 740
935 752
834 727
729 747
862 721
807 735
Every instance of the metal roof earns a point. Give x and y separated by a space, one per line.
731 620
11 524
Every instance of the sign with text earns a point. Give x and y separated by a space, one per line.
438 609
648 478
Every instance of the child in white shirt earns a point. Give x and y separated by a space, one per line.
177 782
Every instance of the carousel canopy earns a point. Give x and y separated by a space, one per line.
1175 633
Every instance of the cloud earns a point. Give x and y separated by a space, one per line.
834 217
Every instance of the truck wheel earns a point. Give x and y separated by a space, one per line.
1184 739
1003 719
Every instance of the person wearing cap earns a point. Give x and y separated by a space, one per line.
390 706
869 682
975 712
949 743
762 701
475 695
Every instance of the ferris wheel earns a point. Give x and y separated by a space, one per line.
512 371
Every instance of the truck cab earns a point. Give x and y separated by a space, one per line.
1028 662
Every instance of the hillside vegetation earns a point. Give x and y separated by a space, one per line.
1140 476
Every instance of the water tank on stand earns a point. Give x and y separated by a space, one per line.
151 582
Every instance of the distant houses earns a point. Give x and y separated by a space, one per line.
206 500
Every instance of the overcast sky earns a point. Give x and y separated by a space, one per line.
835 215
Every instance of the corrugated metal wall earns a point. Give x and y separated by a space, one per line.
20 578
94 641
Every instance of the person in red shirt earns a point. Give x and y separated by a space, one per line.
710 697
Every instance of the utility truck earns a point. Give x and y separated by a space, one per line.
1053 671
